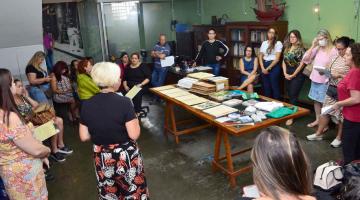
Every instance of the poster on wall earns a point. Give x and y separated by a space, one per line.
61 22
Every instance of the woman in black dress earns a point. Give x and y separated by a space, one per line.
109 121
136 74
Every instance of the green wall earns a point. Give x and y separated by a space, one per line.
335 15
90 29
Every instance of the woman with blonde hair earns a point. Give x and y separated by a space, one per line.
281 170
319 55
38 78
109 121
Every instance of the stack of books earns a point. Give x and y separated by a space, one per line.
203 88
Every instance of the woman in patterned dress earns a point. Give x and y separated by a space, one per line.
110 122
20 153
63 93
293 67
338 70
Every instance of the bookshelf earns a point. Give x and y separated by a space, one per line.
241 34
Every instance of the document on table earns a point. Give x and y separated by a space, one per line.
45 131
326 110
133 92
167 61
166 87
219 111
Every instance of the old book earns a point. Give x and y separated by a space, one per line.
220 110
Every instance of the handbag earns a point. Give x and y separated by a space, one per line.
308 69
64 86
42 114
282 112
328 176
332 92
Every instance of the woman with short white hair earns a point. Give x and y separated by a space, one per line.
110 122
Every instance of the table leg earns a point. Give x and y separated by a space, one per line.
166 122
229 160
173 122
217 148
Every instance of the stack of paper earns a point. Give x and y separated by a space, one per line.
200 75
203 88
187 82
206 105
220 110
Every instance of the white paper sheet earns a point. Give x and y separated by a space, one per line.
168 61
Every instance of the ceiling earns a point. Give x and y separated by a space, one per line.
59 1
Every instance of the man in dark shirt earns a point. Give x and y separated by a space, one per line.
212 52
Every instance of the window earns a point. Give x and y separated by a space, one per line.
122 10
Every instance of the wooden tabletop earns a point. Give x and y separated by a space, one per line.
231 129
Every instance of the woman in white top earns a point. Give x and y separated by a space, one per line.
269 58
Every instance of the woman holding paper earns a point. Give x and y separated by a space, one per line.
25 105
319 55
338 70
349 100
109 121
20 156
137 74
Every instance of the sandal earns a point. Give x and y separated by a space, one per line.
313 124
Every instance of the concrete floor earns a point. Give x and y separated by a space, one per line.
176 172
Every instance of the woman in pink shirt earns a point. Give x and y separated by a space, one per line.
349 100
319 54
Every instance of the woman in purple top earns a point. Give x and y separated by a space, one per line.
319 54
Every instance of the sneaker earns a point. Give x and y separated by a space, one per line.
65 150
49 176
58 157
335 143
314 136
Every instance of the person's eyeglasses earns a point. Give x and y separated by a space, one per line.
211 33
272 32
340 49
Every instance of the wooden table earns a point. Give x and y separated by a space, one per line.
222 134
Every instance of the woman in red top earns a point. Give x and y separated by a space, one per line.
349 101
124 62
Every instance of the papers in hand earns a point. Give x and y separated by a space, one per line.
322 70
251 191
45 131
133 92
326 110
167 61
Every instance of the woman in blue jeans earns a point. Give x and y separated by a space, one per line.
269 57
38 78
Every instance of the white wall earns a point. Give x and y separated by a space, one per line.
20 33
